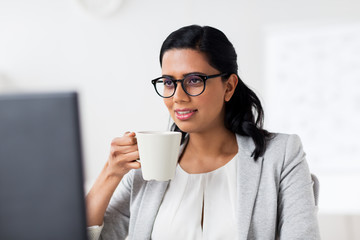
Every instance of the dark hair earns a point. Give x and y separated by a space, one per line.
244 114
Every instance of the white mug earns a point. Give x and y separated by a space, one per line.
159 152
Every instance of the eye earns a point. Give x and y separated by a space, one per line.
193 80
168 82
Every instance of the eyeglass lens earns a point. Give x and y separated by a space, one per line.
193 85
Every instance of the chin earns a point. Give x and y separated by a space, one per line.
183 126
187 127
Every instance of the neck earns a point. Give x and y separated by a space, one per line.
212 143
207 151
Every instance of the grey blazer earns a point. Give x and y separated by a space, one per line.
275 197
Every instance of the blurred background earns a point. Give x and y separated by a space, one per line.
302 58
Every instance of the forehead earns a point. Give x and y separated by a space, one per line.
177 62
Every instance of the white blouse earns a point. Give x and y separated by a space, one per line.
189 196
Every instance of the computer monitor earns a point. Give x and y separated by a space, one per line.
41 176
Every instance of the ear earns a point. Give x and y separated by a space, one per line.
230 86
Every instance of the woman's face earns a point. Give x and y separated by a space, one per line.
194 114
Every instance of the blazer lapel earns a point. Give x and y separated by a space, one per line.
150 203
153 195
248 178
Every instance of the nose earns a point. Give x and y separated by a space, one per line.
180 95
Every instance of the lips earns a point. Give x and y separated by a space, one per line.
184 114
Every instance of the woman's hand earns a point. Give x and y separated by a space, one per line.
123 155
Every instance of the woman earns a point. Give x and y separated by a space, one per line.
234 180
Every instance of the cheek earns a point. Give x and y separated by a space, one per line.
213 100
168 103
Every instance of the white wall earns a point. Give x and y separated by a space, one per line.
57 45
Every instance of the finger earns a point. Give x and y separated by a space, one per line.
134 165
132 156
123 141
130 134
127 157
115 150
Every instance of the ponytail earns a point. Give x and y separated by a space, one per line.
244 115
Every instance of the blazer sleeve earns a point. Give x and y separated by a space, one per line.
117 215
297 213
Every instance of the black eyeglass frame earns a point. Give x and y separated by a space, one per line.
175 81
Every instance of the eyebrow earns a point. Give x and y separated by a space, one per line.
184 75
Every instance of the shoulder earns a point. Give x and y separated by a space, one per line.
285 151
282 141
281 148
276 143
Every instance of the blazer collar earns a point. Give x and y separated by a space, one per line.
248 179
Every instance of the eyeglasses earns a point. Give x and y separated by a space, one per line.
192 84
